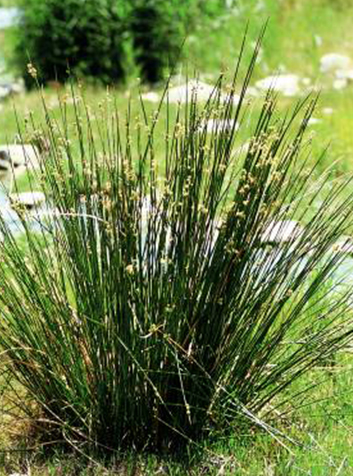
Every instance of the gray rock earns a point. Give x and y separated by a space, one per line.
18 87
282 231
29 200
343 245
332 62
339 84
327 111
313 121
9 16
184 92
4 91
7 89
286 84
194 89
19 154
345 74
18 158
5 166
151 96
219 125
241 149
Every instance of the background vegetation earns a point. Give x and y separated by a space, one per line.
103 39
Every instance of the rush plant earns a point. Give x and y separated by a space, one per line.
149 308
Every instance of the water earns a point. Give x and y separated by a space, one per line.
8 17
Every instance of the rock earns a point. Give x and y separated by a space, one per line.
327 111
333 62
29 200
287 84
150 96
218 125
184 92
9 216
318 40
252 92
4 91
242 149
18 87
313 121
195 89
9 16
282 231
344 74
8 88
5 167
18 157
343 245
19 154
339 84
306 81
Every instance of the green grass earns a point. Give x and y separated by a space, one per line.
8 3
291 41
325 431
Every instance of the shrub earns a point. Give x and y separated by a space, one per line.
90 37
95 37
101 39
149 309
213 8
158 28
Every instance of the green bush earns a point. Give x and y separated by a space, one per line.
89 37
149 310
94 37
101 38
158 28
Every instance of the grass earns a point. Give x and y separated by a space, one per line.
8 3
242 295
324 430
292 42
327 449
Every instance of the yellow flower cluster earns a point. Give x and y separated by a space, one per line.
32 71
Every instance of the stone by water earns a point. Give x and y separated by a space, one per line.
37 218
8 17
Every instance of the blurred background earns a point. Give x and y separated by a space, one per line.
308 46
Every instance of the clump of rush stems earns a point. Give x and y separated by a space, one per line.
148 309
